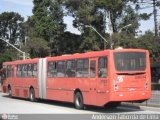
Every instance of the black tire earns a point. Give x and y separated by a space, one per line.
78 101
9 91
32 95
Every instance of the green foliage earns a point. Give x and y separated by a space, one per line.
151 43
47 22
145 16
90 42
7 56
129 17
37 47
69 43
124 40
44 34
47 18
85 13
122 14
10 26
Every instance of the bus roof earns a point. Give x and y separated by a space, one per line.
92 54
75 56
21 61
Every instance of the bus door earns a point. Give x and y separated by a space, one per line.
102 80
93 81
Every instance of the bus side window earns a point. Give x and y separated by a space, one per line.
93 69
52 70
61 69
82 68
79 68
22 70
70 69
102 67
25 70
34 70
19 71
9 71
29 70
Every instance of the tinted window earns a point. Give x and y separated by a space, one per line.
9 71
34 68
82 68
61 69
70 68
130 61
93 69
26 70
52 72
19 71
30 70
102 67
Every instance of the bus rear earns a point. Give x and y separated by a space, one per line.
131 78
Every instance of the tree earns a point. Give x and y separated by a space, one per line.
121 13
143 4
37 49
86 13
124 40
47 21
10 26
69 43
11 29
149 42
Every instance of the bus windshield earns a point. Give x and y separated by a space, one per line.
130 61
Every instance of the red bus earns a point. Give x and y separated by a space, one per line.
94 78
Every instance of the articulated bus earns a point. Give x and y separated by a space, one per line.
96 78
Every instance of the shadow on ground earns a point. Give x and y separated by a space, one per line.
120 109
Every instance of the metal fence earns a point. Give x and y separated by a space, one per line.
155 97
154 100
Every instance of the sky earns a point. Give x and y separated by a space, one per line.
24 8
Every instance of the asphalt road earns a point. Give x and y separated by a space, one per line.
23 106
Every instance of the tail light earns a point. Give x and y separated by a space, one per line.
146 84
115 87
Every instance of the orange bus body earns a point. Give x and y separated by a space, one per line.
120 81
20 85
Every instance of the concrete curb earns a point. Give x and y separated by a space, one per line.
156 109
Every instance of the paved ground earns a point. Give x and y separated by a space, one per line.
22 106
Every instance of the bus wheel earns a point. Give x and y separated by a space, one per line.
78 101
32 95
9 91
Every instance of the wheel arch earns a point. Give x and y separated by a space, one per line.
31 87
8 86
78 90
